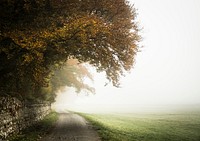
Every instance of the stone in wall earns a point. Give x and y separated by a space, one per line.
16 115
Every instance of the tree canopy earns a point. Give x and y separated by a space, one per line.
38 37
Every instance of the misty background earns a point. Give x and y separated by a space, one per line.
166 73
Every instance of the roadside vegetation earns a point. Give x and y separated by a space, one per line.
35 132
146 127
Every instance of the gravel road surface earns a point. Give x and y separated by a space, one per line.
72 127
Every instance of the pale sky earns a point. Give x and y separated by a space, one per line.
167 70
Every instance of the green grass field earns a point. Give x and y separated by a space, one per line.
146 127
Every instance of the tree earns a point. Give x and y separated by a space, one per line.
72 74
102 33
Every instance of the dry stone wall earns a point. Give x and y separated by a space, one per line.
16 115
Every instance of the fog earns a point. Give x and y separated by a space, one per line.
166 74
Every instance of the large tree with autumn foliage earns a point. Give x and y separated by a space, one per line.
38 36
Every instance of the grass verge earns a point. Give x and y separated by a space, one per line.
35 132
154 127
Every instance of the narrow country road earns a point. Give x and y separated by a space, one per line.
71 127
